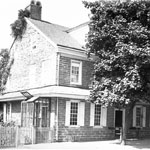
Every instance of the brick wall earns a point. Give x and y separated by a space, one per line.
84 133
64 72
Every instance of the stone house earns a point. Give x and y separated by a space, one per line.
48 85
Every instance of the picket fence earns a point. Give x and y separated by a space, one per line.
16 136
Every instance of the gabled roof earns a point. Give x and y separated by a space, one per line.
58 34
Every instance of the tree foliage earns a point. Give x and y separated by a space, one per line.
5 65
19 26
120 36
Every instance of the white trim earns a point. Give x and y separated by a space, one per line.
81 113
92 109
80 116
4 112
76 63
67 116
103 119
143 116
123 115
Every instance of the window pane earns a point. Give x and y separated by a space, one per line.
42 113
138 116
75 72
97 115
73 113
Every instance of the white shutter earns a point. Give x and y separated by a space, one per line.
81 113
103 116
67 116
92 109
134 116
4 112
144 117
52 122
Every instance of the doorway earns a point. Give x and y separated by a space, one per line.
118 121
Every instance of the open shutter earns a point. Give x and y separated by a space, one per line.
134 116
4 112
144 117
67 120
81 113
92 108
103 116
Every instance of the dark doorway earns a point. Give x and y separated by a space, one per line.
118 122
118 118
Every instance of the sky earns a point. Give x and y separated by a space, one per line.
68 13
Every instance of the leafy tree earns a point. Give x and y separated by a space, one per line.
19 26
5 65
119 36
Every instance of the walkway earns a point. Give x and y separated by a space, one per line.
103 145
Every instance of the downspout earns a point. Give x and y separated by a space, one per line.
57 83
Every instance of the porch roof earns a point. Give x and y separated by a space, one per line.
49 91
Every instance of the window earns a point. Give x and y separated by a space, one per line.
8 111
98 115
74 113
27 114
42 113
139 116
76 71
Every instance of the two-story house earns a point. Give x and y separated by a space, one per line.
49 82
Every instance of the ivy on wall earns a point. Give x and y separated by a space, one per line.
5 66
19 26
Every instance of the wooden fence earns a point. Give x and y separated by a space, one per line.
16 136
7 136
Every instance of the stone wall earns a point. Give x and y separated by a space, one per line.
32 50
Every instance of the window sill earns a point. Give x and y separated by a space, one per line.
98 126
75 83
74 126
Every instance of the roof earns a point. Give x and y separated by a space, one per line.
58 34
78 27
50 91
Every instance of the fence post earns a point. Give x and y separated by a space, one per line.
17 135
33 135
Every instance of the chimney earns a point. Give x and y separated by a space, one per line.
35 9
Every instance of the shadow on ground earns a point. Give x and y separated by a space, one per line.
138 144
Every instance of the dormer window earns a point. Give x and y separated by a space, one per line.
76 72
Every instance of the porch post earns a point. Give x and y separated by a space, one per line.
4 112
33 135
57 121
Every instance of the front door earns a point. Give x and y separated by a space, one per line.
118 121
118 118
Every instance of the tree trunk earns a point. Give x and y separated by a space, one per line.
123 131
123 134
126 124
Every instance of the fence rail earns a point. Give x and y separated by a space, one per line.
16 136
7 137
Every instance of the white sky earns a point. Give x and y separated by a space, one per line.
63 12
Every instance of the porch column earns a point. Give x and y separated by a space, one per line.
4 113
